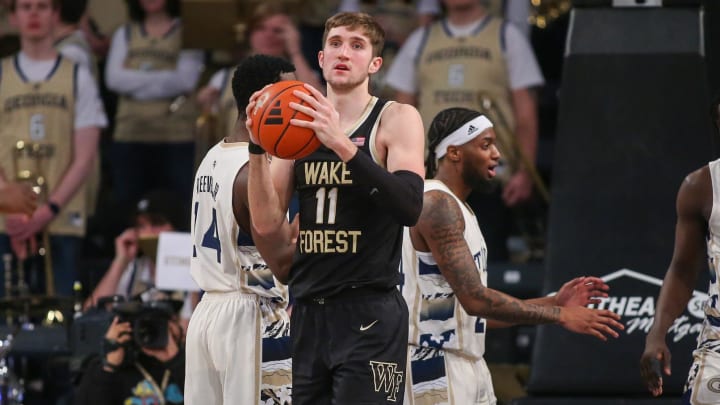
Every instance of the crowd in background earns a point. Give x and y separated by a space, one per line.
149 154
165 105
163 115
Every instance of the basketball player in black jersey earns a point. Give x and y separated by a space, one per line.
349 323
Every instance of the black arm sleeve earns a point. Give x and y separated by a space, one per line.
400 192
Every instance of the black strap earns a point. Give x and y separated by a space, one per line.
109 346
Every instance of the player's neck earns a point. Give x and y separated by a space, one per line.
38 49
351 104
240 134
454 182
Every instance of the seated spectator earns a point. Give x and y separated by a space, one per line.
132 271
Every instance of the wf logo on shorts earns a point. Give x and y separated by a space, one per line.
387 378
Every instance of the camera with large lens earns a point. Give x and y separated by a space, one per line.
149 321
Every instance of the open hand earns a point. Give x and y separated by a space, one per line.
581 291
250 111
126 244
326 119
594 322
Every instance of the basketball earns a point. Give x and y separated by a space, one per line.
271 126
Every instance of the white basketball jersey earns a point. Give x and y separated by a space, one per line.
437 320
224 257
709 337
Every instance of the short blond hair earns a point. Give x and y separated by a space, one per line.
363 21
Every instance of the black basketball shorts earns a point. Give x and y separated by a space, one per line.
350 349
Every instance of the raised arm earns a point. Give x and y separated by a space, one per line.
126 248
397 187
694 202
269 193
276 247
441 228
270 189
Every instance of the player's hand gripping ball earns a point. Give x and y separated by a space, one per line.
271 128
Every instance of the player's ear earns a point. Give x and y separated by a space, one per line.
375 65
321 58
453 153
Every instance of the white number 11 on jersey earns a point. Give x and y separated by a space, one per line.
332 206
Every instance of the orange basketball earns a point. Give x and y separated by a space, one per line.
271 126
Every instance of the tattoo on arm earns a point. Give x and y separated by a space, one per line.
442 226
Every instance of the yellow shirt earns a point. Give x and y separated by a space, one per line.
41 113
458 71
154 120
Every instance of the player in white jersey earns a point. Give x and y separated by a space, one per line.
444 265
697 244
238 338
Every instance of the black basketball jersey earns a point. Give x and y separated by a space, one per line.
346 240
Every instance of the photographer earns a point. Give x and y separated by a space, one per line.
132 369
